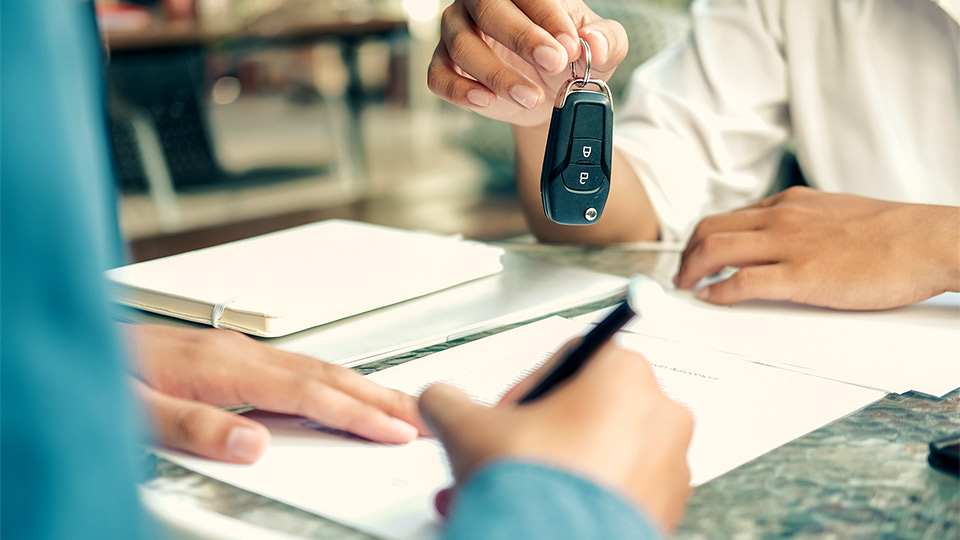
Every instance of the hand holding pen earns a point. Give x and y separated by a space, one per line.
605 420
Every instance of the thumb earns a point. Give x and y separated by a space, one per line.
204 429
445 410
464 427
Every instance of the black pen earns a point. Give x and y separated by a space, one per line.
604 331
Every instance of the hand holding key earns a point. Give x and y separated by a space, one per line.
508 60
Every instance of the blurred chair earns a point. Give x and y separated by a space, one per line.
164 89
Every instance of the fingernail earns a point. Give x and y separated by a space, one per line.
547 58
568 43
600 41
524 95
676 280
479 97
407 431
704 293
245 444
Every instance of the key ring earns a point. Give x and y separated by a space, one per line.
586 73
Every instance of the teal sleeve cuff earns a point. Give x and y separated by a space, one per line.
513 499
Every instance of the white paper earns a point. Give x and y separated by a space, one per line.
302 277
742 409
526 288
915 347
383 489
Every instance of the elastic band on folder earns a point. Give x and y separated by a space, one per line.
218 310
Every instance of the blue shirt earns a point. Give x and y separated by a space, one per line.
68 423
511 499
66 451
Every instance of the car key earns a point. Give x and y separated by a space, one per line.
575 180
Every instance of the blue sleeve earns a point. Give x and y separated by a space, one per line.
510 499
68 424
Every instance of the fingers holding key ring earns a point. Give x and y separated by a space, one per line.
587 58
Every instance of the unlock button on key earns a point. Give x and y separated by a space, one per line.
585 151
582 177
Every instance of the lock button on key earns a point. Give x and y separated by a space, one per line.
582 177
585 152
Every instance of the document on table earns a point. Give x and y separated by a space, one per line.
742 411
287 281
909 348
524 290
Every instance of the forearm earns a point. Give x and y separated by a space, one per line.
946 246
627 217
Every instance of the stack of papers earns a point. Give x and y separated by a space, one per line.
526 289
742 410
910 348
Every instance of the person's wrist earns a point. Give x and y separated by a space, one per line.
945 234
951 248
536 133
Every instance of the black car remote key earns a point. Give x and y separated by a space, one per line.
575 180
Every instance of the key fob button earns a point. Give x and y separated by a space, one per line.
585 151
582 177
588 120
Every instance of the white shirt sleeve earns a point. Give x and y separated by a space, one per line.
705 121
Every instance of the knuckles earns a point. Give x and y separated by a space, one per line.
482 12
711 246
459 45
307 397
525 40
433 76
794 192
448 16
499 80
744 281
787 216
701 231
219 338
336 376
440 80
547 14
188 425
451 22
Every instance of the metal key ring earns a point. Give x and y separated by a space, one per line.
586 72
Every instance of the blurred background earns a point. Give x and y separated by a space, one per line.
231 118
